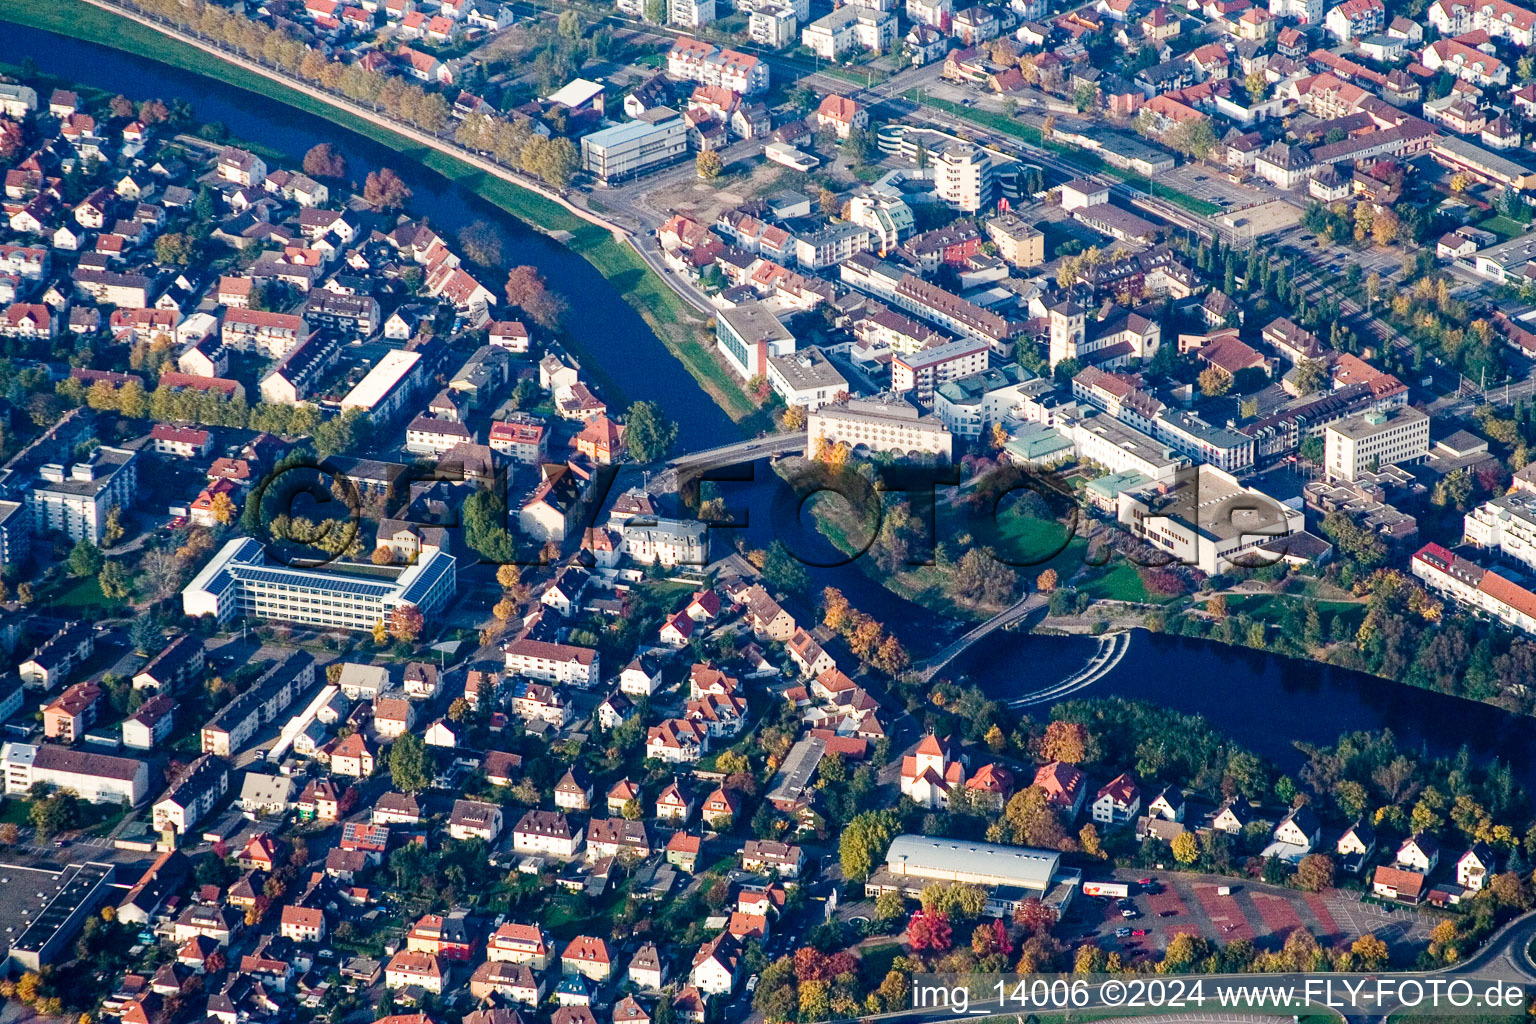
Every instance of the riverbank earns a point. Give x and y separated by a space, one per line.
674 322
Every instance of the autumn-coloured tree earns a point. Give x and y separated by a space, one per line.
1047 581
121 106
509 576
223 509
1088 837
325 161
382 555
407 623
504 609
793 418
1034 916
1066 742
152 112
527 289
834 609
1371 953
708 164
929 931
385 190
1314 872
380 633
1186 848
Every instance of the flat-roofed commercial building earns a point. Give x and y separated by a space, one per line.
239 580
1205 518
657 138
1010 874
885 423
1382 437
49 937
749 335
806 378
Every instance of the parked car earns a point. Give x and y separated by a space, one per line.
1132 912
1139 932
1122 933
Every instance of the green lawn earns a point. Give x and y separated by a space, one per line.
1507 227
83 594
677 324
1121 583
1270 608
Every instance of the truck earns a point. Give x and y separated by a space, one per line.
1117 890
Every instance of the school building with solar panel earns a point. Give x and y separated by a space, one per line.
242 581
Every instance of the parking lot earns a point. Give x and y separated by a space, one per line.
1263 914
1202 182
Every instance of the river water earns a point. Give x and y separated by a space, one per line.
1263 702
601 323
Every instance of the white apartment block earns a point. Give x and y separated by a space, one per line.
1365 443
886 423
850 27
99 778
1500 19
1507 525
963 176
707 64
773 25
1469 584
239 581
924 370
76 502
970 405
553 663
651 539
690 14
1307 12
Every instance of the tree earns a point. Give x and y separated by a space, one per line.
526 288
1088 838
382 555
1186 848
504 609
1213 382
1370 952
1030 820
929 931
509 576
481 242
1066 742
648 431
407 623
114 581
1311 376
175 247
1047 581
84 559
325 161
223 509
410 765
783 571
708 164
864 841
385 190
1314 872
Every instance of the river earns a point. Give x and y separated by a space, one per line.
1262 701
601 323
